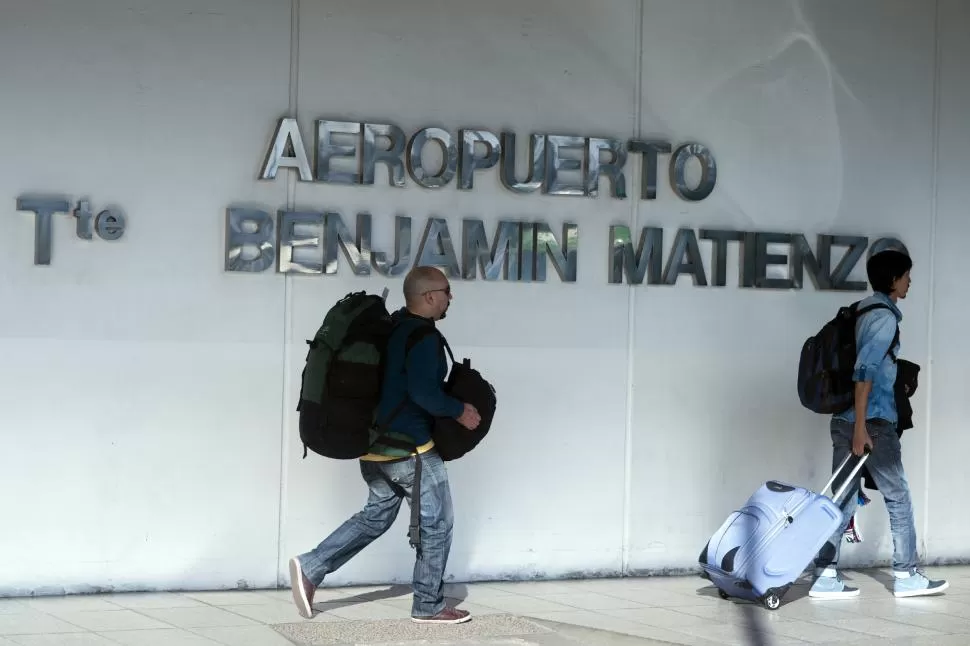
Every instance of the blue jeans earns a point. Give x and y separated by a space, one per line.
390 483
885 464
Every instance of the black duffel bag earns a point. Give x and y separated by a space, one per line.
451 439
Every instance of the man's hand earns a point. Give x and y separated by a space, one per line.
470 418
860 439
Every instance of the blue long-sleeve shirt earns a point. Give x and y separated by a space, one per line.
874 332
420 380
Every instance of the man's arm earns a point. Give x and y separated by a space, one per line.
876 334
424 387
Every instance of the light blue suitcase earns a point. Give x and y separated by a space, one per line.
762 548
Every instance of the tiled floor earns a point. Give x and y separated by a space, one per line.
676 610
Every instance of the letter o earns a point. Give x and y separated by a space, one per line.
449 163
885 244
678 172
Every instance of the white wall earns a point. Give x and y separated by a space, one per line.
947 528
140 383
148 396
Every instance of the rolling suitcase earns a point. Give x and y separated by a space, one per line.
762 548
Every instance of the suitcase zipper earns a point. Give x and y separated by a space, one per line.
788 516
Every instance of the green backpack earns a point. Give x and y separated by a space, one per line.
342 378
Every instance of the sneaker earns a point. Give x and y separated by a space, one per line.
829 585
915 584
302 589
446 616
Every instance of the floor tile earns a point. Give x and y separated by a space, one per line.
62 639
660 617
591 601
163 637
659 597
11 606
818 611
204 617
734 635
728 613
535 588
684 599
902 608
102 620
941 623
361 611
58 605
476 594
879 627
33 622
267 613
938 640
136 601
589 619
286 596
229 598
683 610
244 636
807 631
522 605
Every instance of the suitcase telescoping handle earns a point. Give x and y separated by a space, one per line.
847 482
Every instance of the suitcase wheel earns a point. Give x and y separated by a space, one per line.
772 601
723 594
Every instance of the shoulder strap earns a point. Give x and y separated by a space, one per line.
417 335
423 331
868 308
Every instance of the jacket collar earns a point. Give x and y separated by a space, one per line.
879 297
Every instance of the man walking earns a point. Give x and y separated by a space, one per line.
412 395
872 422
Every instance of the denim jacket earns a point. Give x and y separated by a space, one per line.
874 332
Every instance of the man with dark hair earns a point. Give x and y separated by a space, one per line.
411 397
871 422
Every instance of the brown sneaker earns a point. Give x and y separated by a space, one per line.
302 589
446 616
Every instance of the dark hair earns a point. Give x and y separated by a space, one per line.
885 267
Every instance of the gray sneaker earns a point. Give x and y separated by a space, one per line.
829 585
916 584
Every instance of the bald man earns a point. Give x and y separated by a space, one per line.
412 396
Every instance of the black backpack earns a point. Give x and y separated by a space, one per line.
343 377
451 439
828 360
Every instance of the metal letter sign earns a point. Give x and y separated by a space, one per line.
558 164
358 153
109 224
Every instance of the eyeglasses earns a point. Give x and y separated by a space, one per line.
446 290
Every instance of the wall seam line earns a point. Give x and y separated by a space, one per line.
625 547
294 86
934 210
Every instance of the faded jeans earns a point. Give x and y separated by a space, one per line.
885 464
390 483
